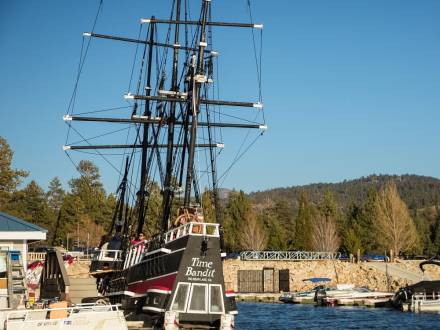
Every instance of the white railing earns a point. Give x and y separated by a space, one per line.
135 254
36 256
108 255
288 255
137 251
193 228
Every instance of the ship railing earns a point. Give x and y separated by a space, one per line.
135 254
193 228
288 255
139 250
108 255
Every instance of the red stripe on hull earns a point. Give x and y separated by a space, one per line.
166 281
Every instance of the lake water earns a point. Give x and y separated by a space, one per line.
256 316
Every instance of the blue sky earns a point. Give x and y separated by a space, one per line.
350 88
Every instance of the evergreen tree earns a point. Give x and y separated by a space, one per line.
277 235
352 231
55 195
286 222
436 235
366 220
208 206
89 189
302 232
327 206
30 204
10 178
238 208
55 198
153 212
72 213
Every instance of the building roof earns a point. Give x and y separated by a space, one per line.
15 228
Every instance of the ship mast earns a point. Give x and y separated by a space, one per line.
197 81
119 210
147 113
168 189
194 96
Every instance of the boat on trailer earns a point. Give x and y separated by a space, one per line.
175 277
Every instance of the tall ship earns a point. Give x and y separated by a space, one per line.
162 258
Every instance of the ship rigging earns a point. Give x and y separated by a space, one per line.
174 119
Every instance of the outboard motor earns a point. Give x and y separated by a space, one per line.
401 297
320 294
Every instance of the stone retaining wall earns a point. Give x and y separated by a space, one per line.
360 274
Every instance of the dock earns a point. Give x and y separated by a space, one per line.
258 297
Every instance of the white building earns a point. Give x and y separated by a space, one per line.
15 234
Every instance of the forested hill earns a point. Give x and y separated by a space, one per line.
417 191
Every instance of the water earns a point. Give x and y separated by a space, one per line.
256 316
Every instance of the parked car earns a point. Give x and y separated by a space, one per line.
375 257
233 255
344 257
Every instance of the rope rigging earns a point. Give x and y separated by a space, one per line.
169 169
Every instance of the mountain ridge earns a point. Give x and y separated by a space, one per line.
417 191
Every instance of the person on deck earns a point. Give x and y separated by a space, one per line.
140 238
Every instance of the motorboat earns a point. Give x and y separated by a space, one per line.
423 296
349 294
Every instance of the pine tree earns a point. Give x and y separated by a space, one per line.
10 178
286 220
277 234
153 212
238 208
30 204
208 206
302 239
352 231
436 235
55 194
89 189
366 220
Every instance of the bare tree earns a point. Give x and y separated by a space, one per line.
395 227
324 236
252 237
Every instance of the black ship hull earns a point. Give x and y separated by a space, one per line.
182 276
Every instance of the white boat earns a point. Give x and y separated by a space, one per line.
421 302
301 296
298 297
83 316
347 293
